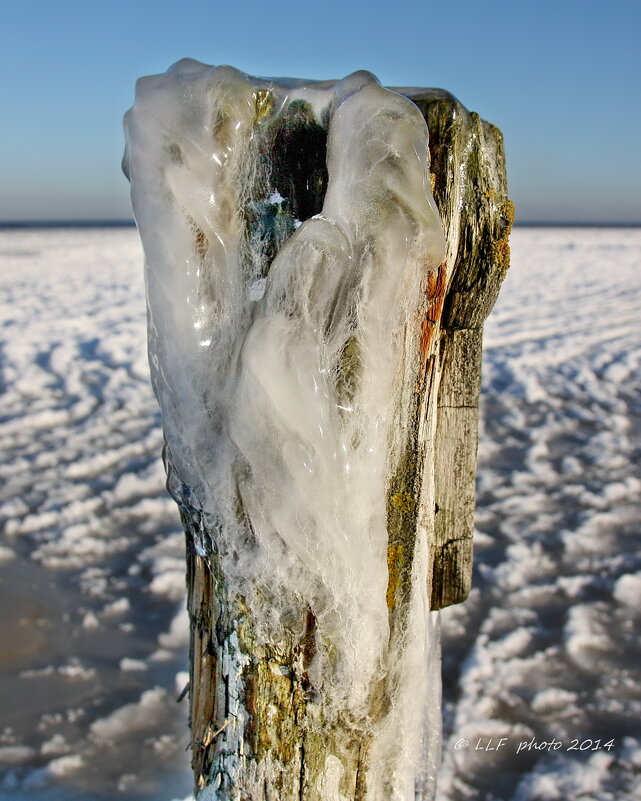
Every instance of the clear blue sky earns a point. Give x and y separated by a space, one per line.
562 79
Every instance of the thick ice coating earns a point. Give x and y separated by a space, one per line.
278 293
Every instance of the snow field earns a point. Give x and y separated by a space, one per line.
546 647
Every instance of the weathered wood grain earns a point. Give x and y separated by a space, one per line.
470 189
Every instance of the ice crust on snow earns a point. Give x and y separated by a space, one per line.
558 510
588 471
135 717
72 305
248 339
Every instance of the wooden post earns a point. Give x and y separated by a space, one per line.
267 719
470 189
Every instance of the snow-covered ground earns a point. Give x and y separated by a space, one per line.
91 558
547 646
92 564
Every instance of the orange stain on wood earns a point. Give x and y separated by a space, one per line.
435 291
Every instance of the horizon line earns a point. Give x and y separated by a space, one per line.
129 222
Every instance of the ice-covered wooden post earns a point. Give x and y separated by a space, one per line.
317 282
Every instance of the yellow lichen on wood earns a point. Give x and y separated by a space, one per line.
501 252
501 247
403 501
508 211
394 558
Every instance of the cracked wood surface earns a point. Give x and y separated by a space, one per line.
470 189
